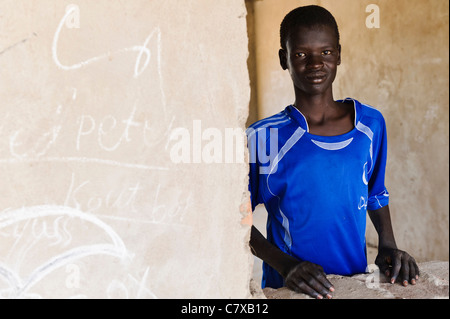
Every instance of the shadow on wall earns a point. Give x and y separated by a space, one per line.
251 63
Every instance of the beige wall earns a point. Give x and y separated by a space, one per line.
91 202
400 68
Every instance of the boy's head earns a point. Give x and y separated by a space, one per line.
308 16
310 49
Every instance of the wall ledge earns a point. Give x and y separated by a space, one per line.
432 284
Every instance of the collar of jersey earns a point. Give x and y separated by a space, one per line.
298 117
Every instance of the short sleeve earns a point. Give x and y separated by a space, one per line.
253 185
378 194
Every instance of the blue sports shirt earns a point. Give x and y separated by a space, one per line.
317 189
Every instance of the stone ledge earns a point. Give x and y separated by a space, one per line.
433 283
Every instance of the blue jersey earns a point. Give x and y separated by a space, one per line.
317 189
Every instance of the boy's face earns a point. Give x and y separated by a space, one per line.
312 55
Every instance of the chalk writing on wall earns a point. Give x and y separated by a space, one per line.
83 218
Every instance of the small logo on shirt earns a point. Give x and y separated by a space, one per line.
362 203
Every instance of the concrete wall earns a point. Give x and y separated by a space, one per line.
401 68
94 201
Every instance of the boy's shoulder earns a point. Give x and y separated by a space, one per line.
371 111
278 121
367 113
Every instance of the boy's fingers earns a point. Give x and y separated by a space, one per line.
324 281
311 291
302 287
405 274
384 269
320 284
413 272
310 279
396 266
311 286
417 270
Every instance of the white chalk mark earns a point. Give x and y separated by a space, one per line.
124 137
69 12
53 135
137 48
84 160
10 277
141 49
45 142
142 285
81 131
143 290
116 248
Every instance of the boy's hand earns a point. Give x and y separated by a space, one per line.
395 262
306 277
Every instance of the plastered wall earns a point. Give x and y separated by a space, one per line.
108 188
399 67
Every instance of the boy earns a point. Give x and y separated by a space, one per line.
326 171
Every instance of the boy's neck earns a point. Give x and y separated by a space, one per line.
325 116
315 105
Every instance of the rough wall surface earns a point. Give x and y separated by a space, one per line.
401 68
93 203
433 284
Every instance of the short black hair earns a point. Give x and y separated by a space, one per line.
306 16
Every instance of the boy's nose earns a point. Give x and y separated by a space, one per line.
314 62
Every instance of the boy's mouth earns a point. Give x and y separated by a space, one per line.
316 77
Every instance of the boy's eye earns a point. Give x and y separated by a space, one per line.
300 54
326 52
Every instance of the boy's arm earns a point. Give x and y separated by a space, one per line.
300 276
392 261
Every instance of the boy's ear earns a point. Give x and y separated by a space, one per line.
339 60
282 54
